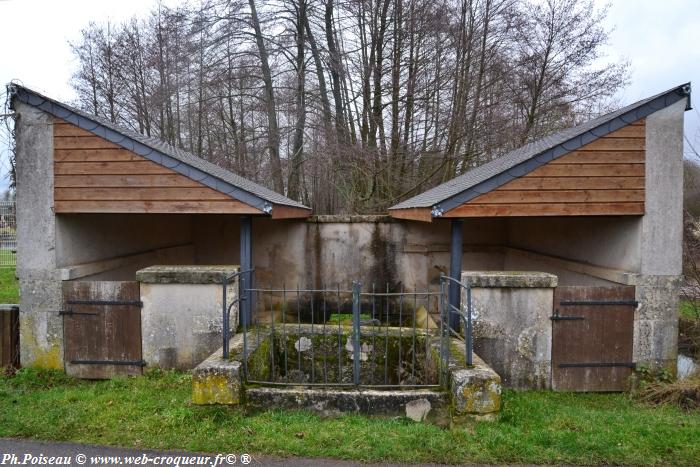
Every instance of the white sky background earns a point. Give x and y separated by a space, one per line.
660 39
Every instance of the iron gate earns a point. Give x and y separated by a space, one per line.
347 336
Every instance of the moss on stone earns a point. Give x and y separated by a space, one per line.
213 388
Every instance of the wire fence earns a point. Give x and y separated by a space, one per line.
8 234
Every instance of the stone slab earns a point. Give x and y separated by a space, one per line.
185 274
509 279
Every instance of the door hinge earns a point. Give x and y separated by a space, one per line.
138 303
71 312
598 365
556 317
109 362
633 303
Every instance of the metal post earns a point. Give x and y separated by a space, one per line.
225 319
455 272
468 331
356 290
246 265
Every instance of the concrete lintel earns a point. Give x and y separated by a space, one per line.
509 279
184 274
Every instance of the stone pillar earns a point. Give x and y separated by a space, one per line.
512 328
41 327
658 285
182 314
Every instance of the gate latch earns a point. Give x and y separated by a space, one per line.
556 317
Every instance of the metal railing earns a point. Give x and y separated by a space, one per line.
464 315
243 297
8 235
345 337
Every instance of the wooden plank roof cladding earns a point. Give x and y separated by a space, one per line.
102 167
596 168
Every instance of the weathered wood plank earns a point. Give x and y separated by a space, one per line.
166 207
559 196
553 209
139 193
629 131
610 143
110 168
107 181
601 157
68 129
588 170
412 214
582 183
289 212
95 155
82 142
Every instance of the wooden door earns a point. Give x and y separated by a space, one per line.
592 332
9 337
102 329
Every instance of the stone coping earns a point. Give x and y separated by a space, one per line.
350 219
509 279
185 274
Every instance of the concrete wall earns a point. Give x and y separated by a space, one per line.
512 329
41 328
84 238
328 251
181 318
612 242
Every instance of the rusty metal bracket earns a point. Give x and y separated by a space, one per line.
70 312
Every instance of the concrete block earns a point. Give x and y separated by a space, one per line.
182 323
475 391
511 325
217 381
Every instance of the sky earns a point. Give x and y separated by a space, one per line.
659 38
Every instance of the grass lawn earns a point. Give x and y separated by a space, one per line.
534 427
9 287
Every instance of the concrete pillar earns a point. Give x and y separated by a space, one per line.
658 285
455 270
41 327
